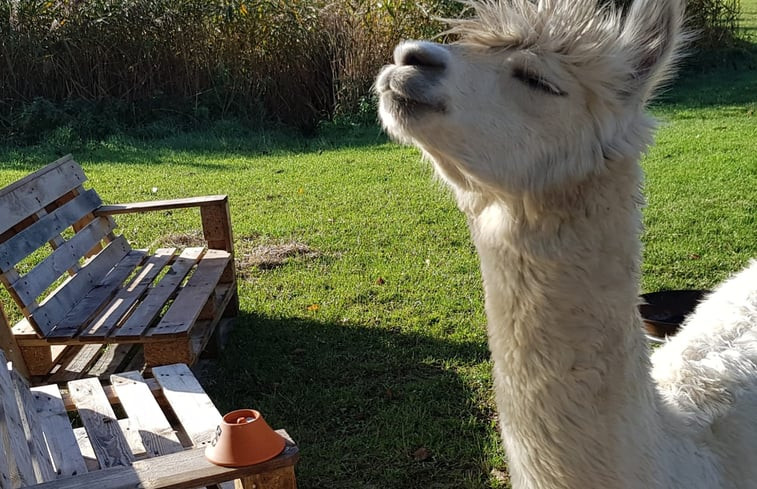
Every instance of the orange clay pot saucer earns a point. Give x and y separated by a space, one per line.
243 438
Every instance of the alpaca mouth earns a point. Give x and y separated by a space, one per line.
398 104
407 92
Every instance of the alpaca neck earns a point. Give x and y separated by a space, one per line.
571 366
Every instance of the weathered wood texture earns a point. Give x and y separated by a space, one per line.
159 443
76 283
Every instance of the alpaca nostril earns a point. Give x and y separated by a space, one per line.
421 54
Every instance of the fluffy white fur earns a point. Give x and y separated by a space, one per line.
536 120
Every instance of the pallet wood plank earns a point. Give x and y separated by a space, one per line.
61 442
216 225
128 296
6 458
86 450
9 343
31 285
21 470
153 303
33 192
43 468
17 247
145 414
76 367
65 297
192 406
107 439
133 438
111 359
187 307
96 298
160 205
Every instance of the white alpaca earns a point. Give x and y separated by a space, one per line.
536 120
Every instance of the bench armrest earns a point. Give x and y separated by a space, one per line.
214 212
188 468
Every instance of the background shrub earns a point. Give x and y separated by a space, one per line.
99 65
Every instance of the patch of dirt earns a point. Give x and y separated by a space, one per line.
267 256
183 240
251 252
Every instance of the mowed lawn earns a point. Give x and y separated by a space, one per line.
362 329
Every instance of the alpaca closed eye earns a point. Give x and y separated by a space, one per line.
536 82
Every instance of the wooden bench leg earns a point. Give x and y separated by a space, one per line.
282 478
232 309
8 343
170 352
38 359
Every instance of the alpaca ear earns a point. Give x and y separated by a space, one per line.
651 36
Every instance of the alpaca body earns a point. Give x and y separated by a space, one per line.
577 404
535 119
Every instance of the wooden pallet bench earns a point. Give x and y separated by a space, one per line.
136 433
89 298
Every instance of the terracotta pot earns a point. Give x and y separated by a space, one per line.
244 438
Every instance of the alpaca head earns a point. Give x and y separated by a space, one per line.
534 94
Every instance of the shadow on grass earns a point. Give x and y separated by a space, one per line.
369 407
724 77
201 145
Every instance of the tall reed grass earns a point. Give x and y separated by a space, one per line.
297 61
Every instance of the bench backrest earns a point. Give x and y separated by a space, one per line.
36 440
53 251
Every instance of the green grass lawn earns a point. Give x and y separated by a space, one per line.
370 346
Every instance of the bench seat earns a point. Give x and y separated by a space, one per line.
138 431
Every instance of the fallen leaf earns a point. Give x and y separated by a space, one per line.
421 454
380 281
500 475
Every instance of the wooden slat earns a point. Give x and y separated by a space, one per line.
153 303
8 342
30 286
86 450
5 472
111 359
183 470
192 406
36 438
128 296
185 310
33 192
107 439
160 205
61 442
76 367
12 436
38 234
98 297
24 329
145 414
216 226
133 438
65 297
6 457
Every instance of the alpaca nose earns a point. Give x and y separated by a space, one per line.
422 54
